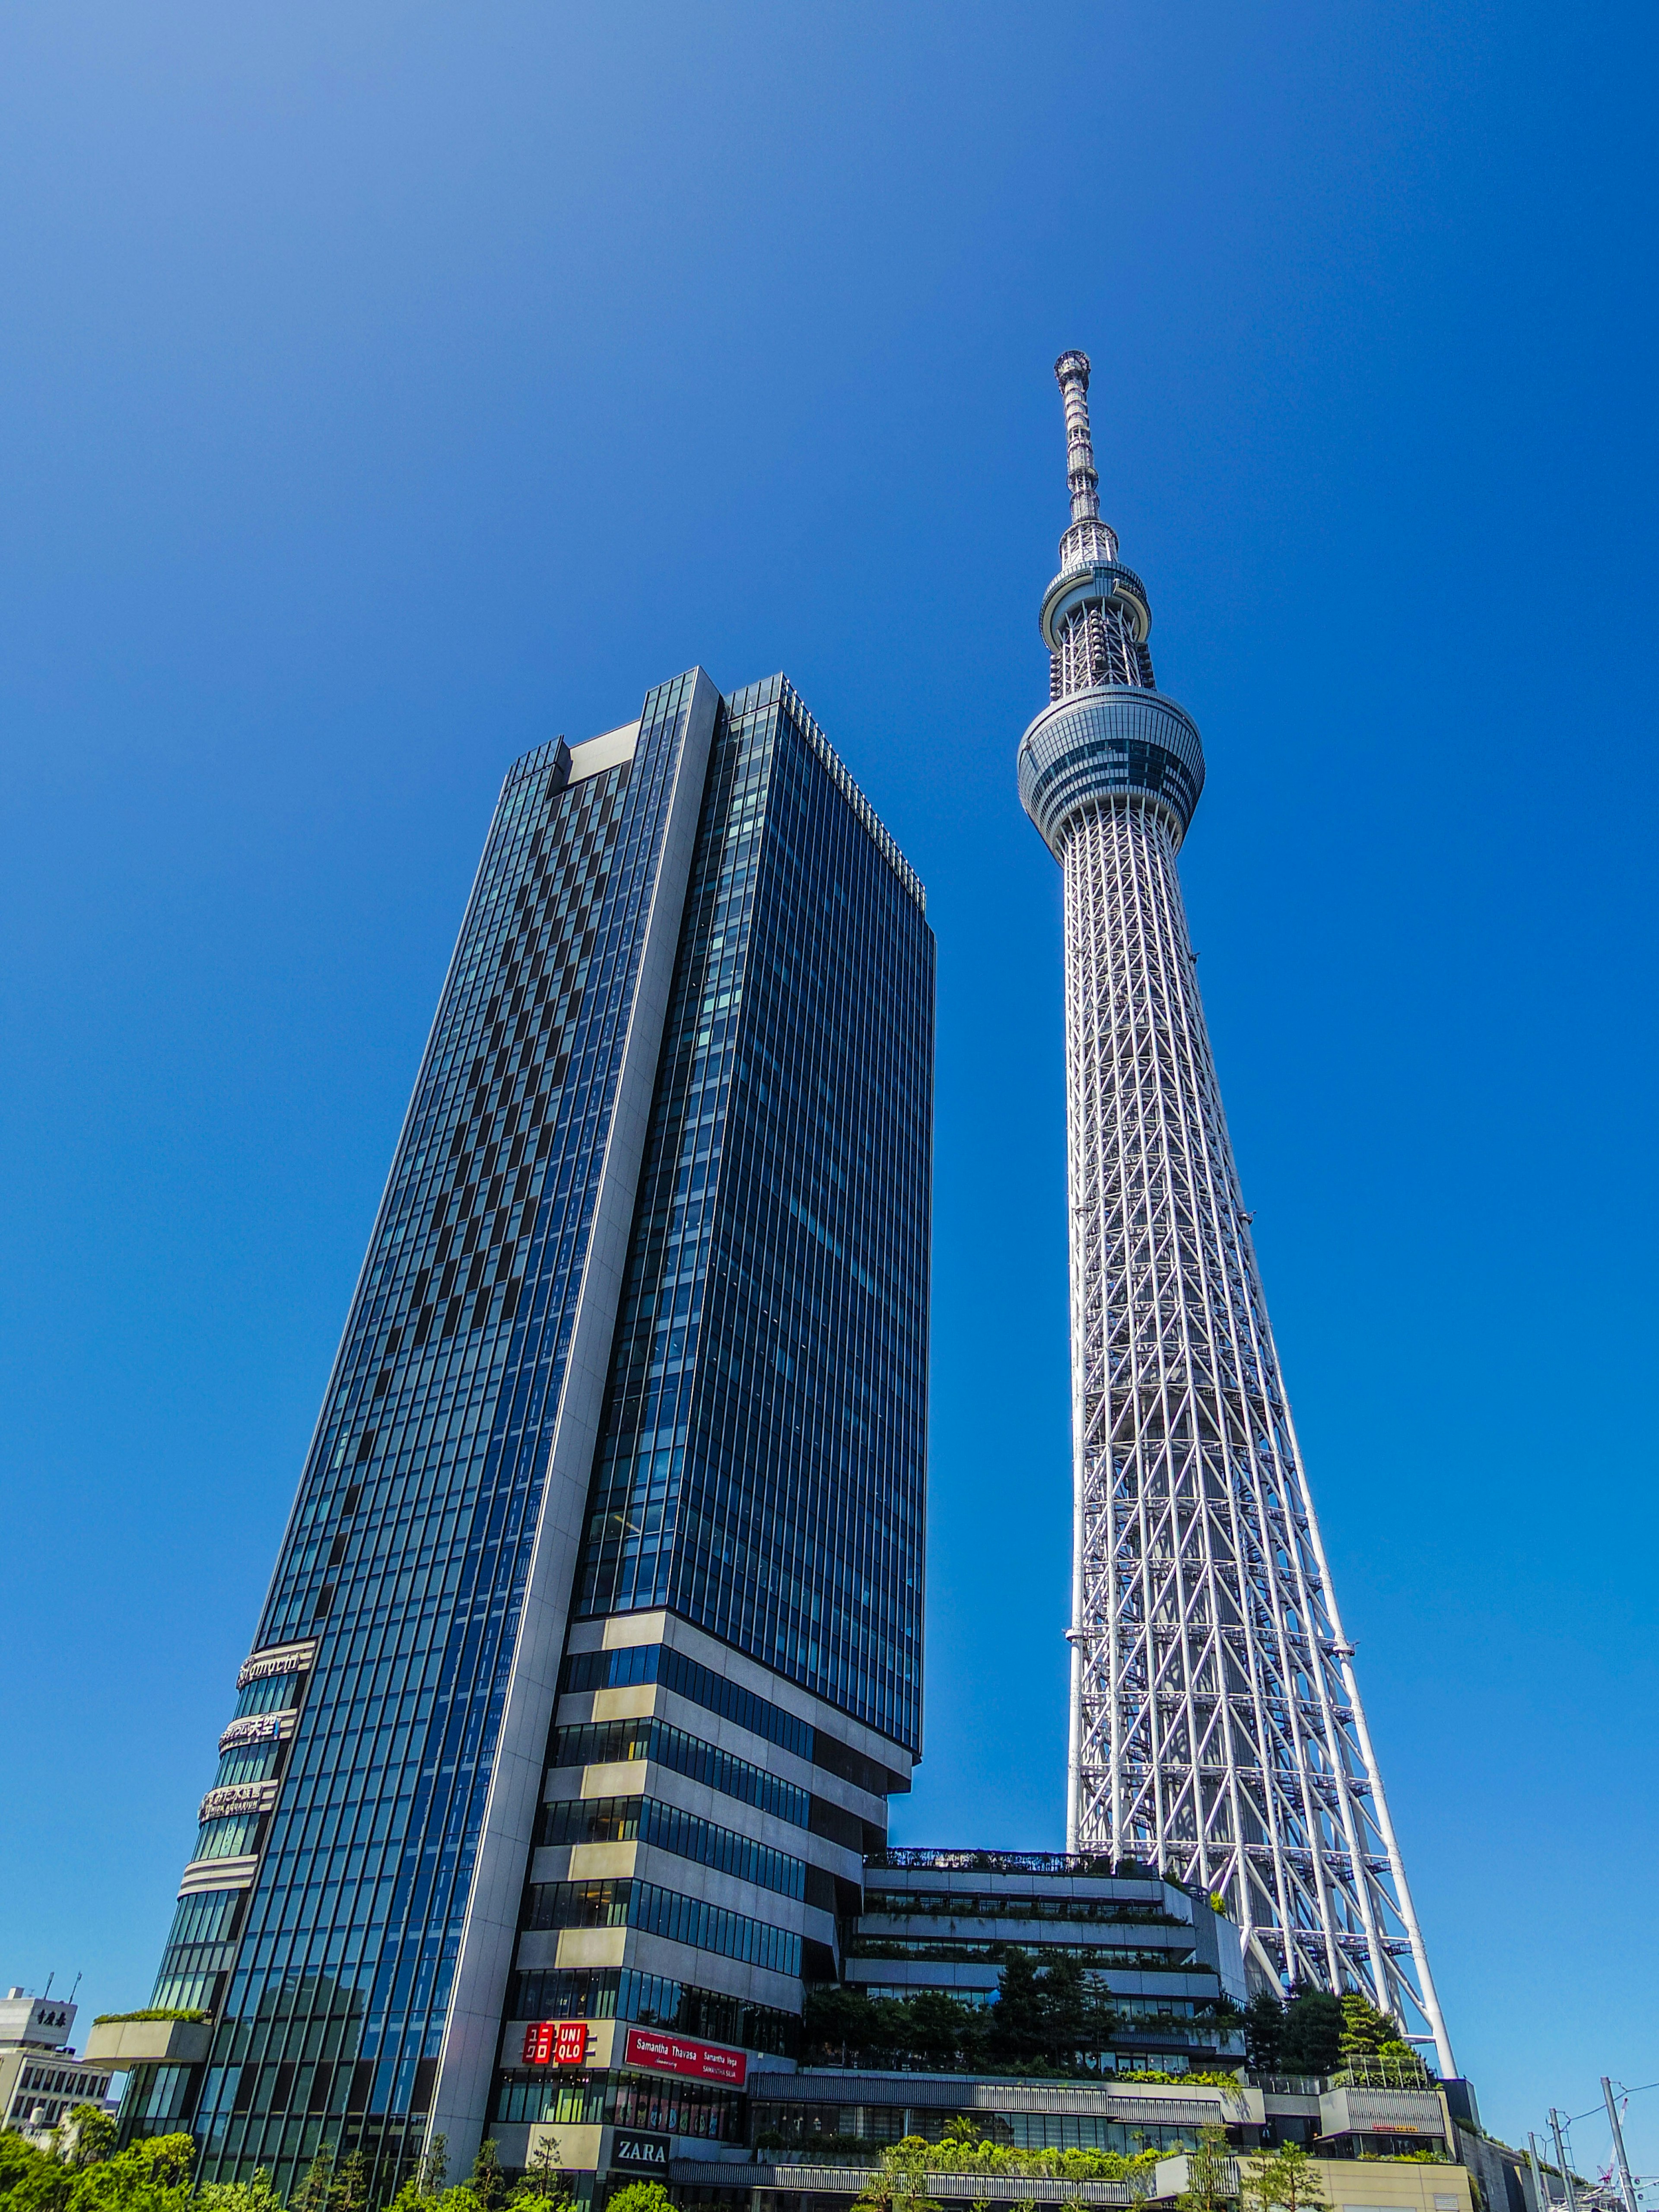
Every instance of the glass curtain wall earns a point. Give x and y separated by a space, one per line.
408 1549
762 1465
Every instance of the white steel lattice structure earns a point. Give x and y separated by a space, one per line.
1216 1726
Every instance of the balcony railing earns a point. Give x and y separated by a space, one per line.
1381 2072
1097 1863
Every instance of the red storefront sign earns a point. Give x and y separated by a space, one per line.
697 2062
556 2043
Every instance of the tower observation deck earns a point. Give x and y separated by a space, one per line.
1216 1726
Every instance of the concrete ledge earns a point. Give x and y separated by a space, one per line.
949 2188
1106 2097
219 1873
123 2043
1350 2185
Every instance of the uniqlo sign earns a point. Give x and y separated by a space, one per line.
697 2062
556 2043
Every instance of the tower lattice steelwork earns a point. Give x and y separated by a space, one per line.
1216 1726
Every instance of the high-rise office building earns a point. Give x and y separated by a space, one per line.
1216 1727
593 1649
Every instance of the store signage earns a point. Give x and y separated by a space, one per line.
237 1797
256 1728
697 2062
555 2043
640 2153
283 1659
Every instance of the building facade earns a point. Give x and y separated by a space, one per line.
1216 1724
593 1648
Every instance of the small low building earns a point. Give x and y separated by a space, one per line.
41 2080
815 2132
1167 1962
1376 2185
779 2128
627 2094
801 2114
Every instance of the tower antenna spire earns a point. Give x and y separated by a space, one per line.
1082 479
1089 539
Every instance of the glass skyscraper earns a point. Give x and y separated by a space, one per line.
593 1649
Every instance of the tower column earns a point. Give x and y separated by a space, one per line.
1215 1728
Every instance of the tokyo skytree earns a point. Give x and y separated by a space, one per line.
1216 1727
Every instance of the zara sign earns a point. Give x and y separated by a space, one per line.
640 2153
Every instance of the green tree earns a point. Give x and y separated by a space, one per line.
86 2135
488 2182
1211 2181
899 2182
839 2018
31 2179
255 2195
350 2191
1017 2023
435 2167
1048 2015
942 2027
964 2148
149 2176
1285 2181
1076 2015
642 2197
317 2187
1264 2032
1312 2033
424 2190
544 2184
1369 2035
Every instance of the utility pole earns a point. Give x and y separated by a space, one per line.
1540 2201
1626 2186
1561 2161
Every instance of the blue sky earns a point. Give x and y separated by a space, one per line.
383 390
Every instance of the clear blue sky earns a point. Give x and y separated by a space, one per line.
384 389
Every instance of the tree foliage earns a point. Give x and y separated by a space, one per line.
426 2188
899 2181
543 2185
315 2191
1264 2032
255 2195
1302 2037
149 2176
87 2135
486 2182
1210 2179
641 2197
351 2184
1042 2017
1369 2035
1287 2180
82 2172
964 2153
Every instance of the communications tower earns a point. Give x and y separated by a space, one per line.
1216 1727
